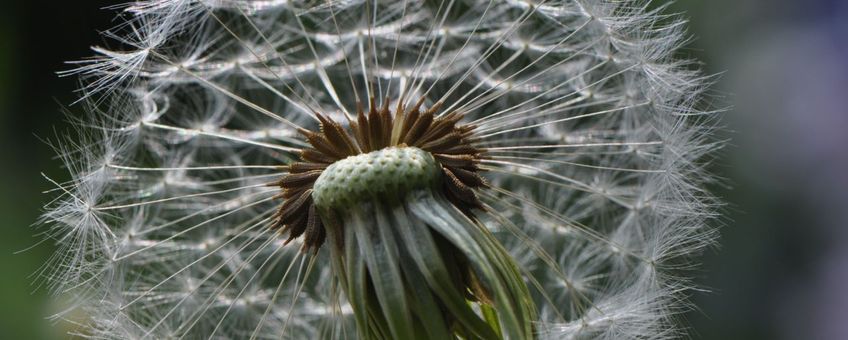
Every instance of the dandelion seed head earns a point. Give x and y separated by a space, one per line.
567 140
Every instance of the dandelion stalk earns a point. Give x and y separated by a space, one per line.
407 247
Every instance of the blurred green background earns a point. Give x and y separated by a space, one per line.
781 271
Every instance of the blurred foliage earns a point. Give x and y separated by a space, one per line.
36 40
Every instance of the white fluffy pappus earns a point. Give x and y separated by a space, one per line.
594 139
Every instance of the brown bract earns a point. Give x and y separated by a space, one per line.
443 136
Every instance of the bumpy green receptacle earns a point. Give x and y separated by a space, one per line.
392 170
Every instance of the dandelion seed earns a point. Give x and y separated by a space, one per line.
385 169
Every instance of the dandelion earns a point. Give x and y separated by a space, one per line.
384 169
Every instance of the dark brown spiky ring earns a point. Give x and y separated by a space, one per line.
440 135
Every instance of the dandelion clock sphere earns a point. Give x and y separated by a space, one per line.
358 169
